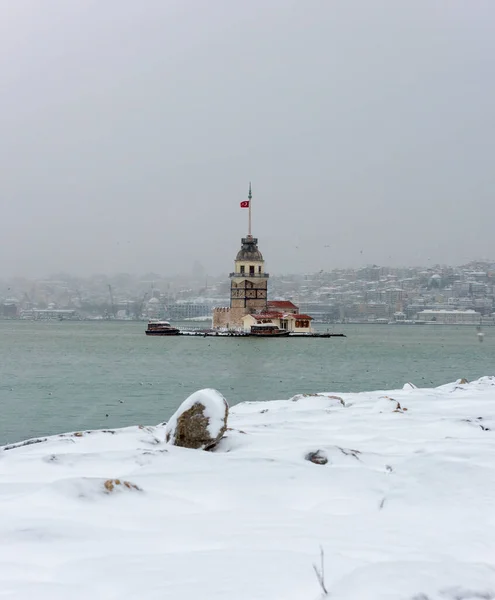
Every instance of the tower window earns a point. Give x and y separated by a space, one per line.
259 269
251 269
242 269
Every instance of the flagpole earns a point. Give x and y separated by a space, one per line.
249 198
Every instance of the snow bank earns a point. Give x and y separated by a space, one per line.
403 507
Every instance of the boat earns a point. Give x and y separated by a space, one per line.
161 328
268 330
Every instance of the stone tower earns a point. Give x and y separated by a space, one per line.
248 282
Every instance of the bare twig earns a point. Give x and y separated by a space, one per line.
320 572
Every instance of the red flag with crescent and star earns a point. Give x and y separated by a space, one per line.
245 204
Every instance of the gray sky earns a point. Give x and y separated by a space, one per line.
131 128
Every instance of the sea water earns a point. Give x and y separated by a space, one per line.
67 376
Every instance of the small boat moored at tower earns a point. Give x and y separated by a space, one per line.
268 330
161 328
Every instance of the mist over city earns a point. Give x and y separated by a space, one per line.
371 294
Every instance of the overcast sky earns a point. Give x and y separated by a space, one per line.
129 130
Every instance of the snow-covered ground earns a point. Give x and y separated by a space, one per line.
404 509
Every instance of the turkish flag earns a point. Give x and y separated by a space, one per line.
245 204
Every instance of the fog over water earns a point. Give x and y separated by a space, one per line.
130 131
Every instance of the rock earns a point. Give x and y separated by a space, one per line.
25 443
388 404
199 422
112 484
318 458
341 401
462 381
319 396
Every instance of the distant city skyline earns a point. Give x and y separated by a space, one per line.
373 294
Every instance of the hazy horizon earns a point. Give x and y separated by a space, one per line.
189 275
130 133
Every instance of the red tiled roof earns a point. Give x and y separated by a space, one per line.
281 304
270 315
305 317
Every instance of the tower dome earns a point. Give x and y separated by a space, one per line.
249 250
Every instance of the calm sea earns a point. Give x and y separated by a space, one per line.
66 376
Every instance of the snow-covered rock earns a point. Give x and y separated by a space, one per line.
388 404
403 509
199 422
318 458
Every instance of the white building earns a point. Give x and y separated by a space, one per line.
450 317
296 323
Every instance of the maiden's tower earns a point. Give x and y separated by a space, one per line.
248 282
